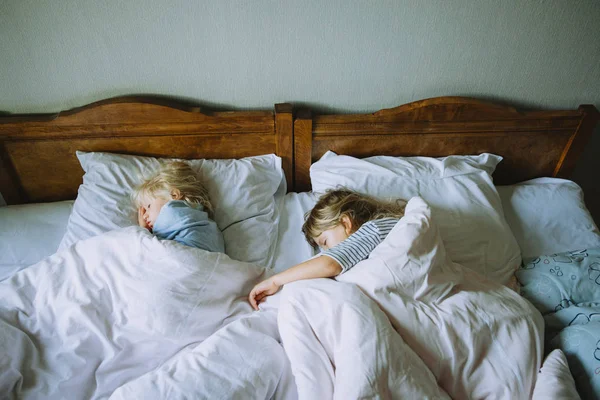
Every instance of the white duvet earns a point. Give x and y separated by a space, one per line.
125 316
475 338
480 339
113 308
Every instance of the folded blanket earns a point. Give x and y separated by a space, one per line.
565 288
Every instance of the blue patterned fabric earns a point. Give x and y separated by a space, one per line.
565 287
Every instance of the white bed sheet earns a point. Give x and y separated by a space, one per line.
29 233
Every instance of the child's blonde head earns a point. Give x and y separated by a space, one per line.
173 180
334 204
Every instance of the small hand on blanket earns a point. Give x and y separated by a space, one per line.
262 290
318 267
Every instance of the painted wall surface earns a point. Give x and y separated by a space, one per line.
342 55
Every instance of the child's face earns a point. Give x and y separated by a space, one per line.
151 208
332 237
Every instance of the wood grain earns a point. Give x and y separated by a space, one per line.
37 152
533 144
302 150
38 162
284 126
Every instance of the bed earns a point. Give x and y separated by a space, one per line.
39 165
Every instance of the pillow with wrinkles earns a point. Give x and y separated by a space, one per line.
459 189
245 194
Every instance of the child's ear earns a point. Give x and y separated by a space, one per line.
175 194
347 223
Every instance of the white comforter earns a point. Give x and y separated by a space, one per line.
476 339
114 308
126 316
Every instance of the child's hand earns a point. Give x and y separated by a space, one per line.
141 220
262 290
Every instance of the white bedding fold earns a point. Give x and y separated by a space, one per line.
128 316
91 318
409 323
342 346
480 339
242 360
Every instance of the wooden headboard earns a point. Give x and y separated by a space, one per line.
38 162
533 144
37 152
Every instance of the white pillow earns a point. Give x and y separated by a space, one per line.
459 189
242 193
555 380
30 232
548 216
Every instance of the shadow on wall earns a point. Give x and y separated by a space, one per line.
323 109
205 107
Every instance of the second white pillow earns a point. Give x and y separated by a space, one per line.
459 189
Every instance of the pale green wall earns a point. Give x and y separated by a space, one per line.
342 55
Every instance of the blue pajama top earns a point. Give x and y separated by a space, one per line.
188 225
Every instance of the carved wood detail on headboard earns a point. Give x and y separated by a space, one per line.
38 162
37 152
533 143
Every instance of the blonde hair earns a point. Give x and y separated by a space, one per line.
174 175
334 204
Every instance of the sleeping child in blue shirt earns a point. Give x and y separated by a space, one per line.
174 205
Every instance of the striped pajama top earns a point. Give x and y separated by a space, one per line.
361 243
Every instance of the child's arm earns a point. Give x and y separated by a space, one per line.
318 267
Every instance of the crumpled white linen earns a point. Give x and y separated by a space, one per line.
459 190
555 380
113 308
126 315
242 360
478 338
342 346
409 323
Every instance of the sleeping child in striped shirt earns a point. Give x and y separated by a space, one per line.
347 226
